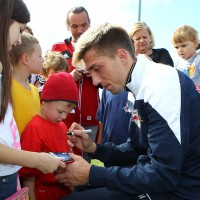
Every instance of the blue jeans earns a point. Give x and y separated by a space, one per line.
8 185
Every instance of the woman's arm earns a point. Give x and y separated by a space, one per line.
42 161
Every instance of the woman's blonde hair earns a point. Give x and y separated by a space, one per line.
142 25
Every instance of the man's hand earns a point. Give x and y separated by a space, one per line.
77 74
80 139
77 173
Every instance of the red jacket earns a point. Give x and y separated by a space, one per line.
88 93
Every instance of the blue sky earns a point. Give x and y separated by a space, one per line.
163 17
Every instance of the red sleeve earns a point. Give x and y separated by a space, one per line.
57 47
29 142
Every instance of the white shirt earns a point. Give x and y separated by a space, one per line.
9 136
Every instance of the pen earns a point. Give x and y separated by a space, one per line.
83 131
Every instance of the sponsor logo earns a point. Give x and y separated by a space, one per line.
197 88
136 118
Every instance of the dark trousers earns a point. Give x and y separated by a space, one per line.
103 193
98 194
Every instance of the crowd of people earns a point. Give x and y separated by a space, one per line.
144 127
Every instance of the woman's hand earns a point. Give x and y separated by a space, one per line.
47 163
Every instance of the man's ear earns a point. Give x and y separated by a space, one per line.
123 55
25 58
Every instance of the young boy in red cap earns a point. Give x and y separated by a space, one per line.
47 133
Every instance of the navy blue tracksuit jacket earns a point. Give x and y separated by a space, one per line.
163 152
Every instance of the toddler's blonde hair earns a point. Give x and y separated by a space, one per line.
56 61
184 33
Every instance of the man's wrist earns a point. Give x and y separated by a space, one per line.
93 148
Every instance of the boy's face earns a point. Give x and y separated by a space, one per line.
56 111
36 60
186 49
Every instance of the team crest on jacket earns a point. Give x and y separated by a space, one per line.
129 107
136 118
